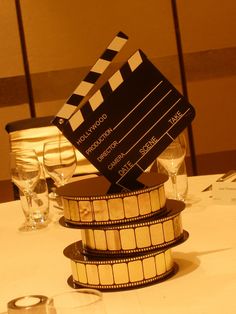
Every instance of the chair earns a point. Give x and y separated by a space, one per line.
33 133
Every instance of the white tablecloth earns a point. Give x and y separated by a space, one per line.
33 262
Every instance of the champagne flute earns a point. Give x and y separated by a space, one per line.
25 172
172 158
59 161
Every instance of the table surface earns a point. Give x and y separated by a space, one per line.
33 262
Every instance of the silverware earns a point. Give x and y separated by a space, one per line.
226 176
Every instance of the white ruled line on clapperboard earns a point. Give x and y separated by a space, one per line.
85 86
151 127
137 104
159 139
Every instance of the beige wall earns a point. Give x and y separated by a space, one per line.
64 38
207 24
66 34
10 66
209 43
10 58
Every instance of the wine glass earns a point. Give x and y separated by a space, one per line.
59 161
25 172
172 158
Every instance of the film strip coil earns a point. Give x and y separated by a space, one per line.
128 254
88 82
103 209
143 236
118 273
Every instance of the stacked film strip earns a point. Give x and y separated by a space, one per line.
132 238
121 252
128 122
92 209
91 78
127 272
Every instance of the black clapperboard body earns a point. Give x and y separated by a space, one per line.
128 122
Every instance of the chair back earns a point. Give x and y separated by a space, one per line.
34 132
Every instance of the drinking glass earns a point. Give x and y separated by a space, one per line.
81 301
181 183
172 159
40 202
59 161
25 172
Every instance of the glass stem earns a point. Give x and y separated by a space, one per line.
173 178
29 197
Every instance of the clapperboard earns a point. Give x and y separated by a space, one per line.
129 121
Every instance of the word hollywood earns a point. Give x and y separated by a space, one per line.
92 128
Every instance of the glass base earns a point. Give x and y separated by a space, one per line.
53 195
30 226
